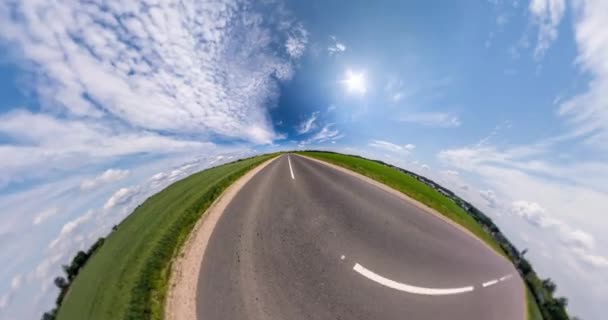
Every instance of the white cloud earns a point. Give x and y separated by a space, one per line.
110 175
528 159
547 15
46 145
121 196
45 215
490 197
308 124
335 47
296 42
327 133
598 262
533 213
432 119
389 146
16 282
69 228
179 67
588 111
576 238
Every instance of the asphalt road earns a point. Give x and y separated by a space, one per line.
323 244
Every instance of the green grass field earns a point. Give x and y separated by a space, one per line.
422 193
127 277
533 310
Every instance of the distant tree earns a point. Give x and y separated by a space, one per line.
525 266
50 315
562 302
94 247
79 260
61 282
556 309
549 285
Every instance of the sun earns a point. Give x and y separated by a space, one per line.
355 82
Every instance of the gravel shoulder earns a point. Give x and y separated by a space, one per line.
181 298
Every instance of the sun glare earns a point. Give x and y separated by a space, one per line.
355 82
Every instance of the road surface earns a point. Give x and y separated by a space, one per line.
302 240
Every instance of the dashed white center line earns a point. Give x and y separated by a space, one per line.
489 283
406 287
507 277
290 169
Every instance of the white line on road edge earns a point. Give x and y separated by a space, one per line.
408 288
489 283
290 169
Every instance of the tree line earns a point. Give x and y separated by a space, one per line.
63 283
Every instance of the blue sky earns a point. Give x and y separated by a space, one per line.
103 104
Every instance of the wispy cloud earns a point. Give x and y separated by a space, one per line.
327 133
308 124
297 41
45 215
547 15
70 227
432 119
43 145
392 147
587 112
121 196
108 176
335 46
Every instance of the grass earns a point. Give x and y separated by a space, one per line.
533 310
423 193
127 277
411 187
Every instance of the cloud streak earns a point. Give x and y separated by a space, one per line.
392 147
587 112
432 119
308 124
108 176
547 15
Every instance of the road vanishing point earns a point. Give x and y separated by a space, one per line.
304 240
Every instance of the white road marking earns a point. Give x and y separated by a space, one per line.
406 287
342 257
290 169
489 283
507 277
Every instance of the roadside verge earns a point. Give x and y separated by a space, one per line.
181 298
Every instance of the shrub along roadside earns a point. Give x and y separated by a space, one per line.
540 302
127 277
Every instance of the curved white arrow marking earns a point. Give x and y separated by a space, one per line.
406 287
